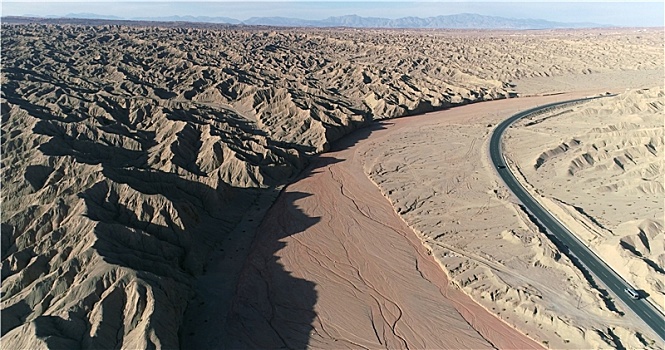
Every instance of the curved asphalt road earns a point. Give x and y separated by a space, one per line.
642 308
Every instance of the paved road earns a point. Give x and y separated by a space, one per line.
561 236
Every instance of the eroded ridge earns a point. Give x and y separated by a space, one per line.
130 153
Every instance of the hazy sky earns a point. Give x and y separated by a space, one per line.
616 13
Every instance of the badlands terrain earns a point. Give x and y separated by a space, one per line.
141 168
599 166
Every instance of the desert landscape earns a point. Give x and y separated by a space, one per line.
257 187
600 167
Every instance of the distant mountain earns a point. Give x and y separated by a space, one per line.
459 21
282 21
203 19
87 16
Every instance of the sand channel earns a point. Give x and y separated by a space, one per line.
334 266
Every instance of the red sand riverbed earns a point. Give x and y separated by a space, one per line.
334 266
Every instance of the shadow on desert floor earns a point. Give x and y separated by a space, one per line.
272 307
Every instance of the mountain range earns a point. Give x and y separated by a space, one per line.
457 21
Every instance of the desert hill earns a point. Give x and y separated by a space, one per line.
130 153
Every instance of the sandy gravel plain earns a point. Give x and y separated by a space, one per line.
484 239
138 163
